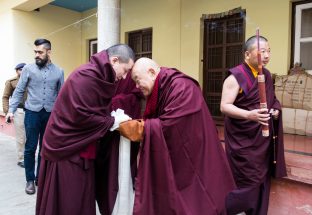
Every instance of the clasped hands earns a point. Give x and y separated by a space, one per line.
131 129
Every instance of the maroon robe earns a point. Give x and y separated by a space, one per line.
80 117
128 98
182 168
249 153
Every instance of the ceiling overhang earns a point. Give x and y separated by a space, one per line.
30 5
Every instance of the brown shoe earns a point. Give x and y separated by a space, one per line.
30 187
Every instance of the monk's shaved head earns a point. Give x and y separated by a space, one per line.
144 73
144 64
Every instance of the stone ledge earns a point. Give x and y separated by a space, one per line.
299 167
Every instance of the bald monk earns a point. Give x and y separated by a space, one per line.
182 168
251 156
81 116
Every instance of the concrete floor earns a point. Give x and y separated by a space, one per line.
287 197
13 199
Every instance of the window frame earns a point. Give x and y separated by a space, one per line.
296 30
92 42
141 33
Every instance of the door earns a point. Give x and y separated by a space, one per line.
223 48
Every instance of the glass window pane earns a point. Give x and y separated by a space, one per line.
306 23
305 55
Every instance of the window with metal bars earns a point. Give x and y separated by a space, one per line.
223 49
141 42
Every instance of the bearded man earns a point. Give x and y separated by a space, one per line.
43 81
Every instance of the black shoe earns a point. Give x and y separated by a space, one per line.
30 187
21 164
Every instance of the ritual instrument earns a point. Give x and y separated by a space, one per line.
261 85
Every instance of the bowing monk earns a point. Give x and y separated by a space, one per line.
182 168
253 158
81 116
111 171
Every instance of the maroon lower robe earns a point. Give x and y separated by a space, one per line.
182 168
128 98
80 117
249 153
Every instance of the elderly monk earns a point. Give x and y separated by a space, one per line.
81 116
182 167
251 155
110 151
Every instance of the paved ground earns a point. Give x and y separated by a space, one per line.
13 199
287 197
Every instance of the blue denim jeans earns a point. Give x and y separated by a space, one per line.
35 124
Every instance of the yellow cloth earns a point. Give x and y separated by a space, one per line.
254 71
255 74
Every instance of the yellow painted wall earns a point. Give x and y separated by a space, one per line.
177 34
53 23
19 29
164 17
89 31
177 31
273 25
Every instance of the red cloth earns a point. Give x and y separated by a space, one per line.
182 168
89 152
80 117
151 103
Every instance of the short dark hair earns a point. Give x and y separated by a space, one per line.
122 51
40 41
251 41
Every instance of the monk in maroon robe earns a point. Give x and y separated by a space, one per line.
80 117
182 166
129 99
253 158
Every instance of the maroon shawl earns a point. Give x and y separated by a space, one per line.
182 168
81 114
244 137
128 98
